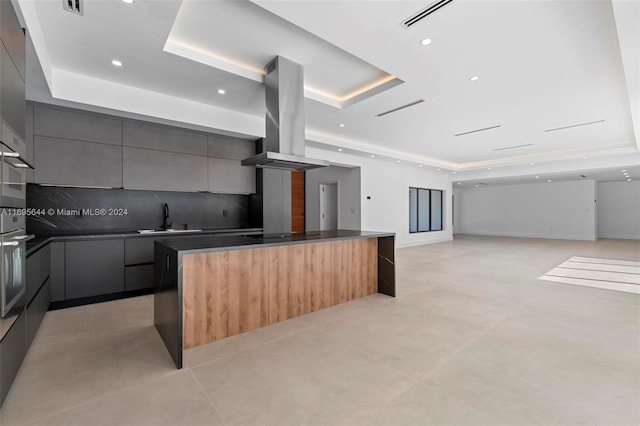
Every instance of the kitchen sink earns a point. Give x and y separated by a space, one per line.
166 231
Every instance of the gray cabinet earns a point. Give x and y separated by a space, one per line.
229 147
57 272
12 36
70 162
77 125
138 250
163 138
12 100
138 277
94 268
36 310
164 171
230 176
13 349
37 271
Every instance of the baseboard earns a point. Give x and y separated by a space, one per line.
619 236
520 235
424 242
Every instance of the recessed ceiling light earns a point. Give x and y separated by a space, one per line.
623 171
419 165
372 156
341 125
477 186
454 173
488 168
425 41
458 183
629 180
532 164
397 161
474 78
438 169
221 91
585 158
116 63
127 1
549 180
340 149
537 177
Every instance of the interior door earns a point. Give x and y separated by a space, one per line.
328 206
297 201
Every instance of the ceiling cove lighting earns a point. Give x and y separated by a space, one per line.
425 41
116 63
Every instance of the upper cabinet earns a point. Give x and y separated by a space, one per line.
12 100
163 138
80 126
12 36
72 147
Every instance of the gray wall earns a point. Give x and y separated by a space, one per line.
348 180
71 147
619 210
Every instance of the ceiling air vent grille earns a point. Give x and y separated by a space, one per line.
73 6
513 147
412 20
419 101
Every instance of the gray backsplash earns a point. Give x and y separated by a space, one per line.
129 210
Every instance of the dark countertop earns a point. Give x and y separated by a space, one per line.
209 244
40 241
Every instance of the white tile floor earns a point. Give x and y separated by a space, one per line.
473 338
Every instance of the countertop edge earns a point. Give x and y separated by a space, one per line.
125 235
276 243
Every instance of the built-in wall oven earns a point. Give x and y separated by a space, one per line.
13 188
12 262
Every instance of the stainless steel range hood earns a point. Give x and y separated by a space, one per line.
284 142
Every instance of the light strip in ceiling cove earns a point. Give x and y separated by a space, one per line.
478 130
513 147
419 101
575 125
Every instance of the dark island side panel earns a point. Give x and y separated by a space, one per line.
143 210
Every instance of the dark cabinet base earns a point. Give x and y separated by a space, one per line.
12 351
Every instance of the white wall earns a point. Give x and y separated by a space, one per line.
388 186
349 203
619 210
563 210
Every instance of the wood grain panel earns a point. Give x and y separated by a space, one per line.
297 201
231 292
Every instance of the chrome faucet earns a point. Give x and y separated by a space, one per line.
165 216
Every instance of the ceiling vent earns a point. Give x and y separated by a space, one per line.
575 125
73 6
513 147
478 130
419 101
414 19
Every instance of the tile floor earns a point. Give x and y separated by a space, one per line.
473 338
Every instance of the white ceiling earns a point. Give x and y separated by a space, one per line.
542 65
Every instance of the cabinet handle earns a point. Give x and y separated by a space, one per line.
167 262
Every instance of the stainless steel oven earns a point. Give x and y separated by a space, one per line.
13 188
12 262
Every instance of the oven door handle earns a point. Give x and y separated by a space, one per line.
21 239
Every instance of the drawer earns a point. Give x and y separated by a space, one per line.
138 277
138 250
37 271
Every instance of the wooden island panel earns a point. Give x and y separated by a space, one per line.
231 292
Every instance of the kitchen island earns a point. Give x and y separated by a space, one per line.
207 289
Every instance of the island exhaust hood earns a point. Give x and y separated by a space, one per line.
284 142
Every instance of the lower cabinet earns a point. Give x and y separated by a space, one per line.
138 277
94 268
13 349
36 310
